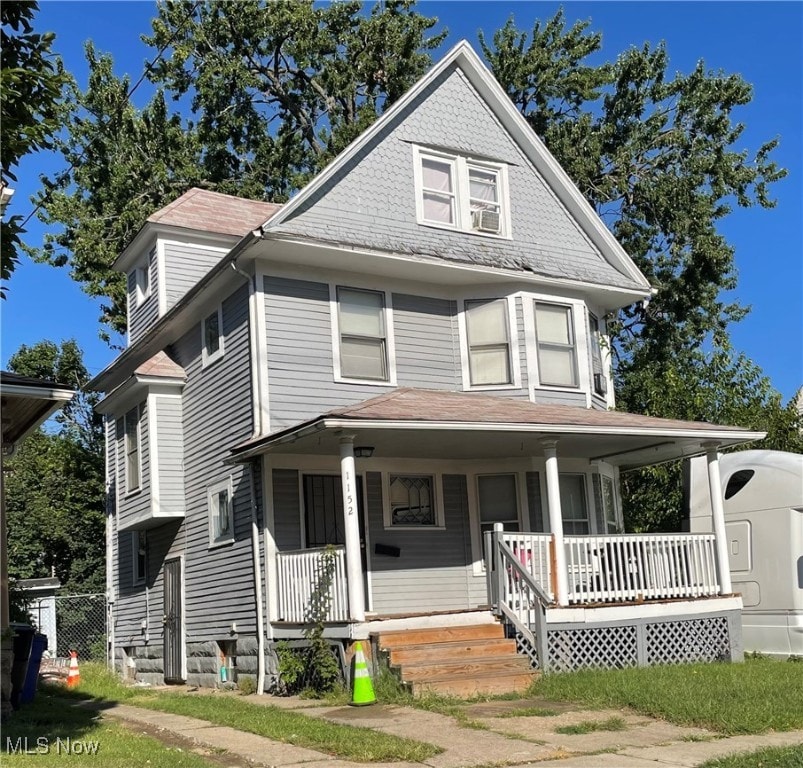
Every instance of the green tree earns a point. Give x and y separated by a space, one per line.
31 82
55 489
655 154
275 91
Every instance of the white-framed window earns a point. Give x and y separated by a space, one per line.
556 345
220 505
574 504
498 502
139 556
412 502
142 277
609 506
488 342
362 335
463 193
599 382
212 340
133 449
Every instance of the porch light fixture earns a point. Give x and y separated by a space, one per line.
363 451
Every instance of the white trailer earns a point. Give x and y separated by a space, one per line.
763 503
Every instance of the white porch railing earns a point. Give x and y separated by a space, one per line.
637 567
533 552
300 573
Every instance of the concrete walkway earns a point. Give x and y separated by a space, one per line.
495 734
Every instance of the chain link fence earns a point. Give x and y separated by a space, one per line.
80 625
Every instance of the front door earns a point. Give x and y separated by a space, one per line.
323 512
173 622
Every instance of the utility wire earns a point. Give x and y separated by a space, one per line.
148 67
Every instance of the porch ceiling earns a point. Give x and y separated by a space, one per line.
414 423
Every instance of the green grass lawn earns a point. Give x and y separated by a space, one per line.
55 734
773 757
349 742
759 695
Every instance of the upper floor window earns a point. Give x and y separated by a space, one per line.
488 341
362 332
133 474
557 348
221 513
600 382
142 278
212 336
461 193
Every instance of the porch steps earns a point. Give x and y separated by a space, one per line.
458 661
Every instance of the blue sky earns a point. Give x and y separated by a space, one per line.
762 41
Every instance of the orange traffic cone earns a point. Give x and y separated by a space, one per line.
73 676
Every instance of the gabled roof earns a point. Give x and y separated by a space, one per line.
463 57
160 365
205 211
200 210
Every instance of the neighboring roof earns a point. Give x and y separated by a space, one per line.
27 402
44 584
430 411
206 211
161 365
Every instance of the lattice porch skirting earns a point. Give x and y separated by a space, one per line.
638 642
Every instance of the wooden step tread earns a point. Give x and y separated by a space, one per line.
480 676
435 635
464 669
457 649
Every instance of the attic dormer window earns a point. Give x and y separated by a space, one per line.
463 193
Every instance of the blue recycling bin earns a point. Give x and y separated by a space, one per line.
38 647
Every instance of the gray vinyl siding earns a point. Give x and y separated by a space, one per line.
372 201
427 342
144 602
557 397
300 358
216 415
286 509
138 503
185 265
433 570
170 447
142 317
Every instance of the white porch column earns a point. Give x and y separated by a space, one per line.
352 530
556 520
718 515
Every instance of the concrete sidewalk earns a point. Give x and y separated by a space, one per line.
498 736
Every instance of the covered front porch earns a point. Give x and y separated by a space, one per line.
512 514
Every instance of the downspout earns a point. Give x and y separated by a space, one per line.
257 584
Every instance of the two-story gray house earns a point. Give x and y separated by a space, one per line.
407 362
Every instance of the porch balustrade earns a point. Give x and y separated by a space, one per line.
638 567
309 581
612 569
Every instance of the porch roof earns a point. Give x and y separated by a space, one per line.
424 423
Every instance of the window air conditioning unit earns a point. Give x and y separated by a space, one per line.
485 220
600 384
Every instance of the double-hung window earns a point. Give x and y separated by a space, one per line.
557 349
221 513
142 278
573 504
133 471
212 336
462 193
488 341
363 334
